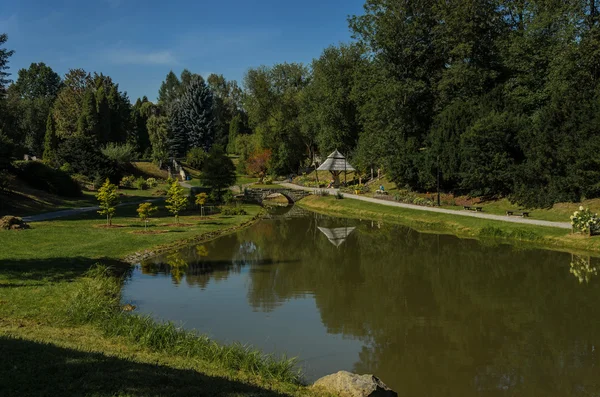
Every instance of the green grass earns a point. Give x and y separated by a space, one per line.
245 180
462 226
56 317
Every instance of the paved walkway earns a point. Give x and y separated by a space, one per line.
562 225
74 211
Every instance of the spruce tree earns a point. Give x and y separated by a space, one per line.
104 116
87 124
50 140
192 119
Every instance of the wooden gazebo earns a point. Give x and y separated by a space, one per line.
336 164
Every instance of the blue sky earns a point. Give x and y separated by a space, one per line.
137 42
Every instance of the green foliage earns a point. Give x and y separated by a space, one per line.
192 119
108 198
228 197
4 55
141 184
176 200
232 211
145 210
66 168
86 158
41 176
50 141
121 154
158 132
127 181
585 221
196 157
7 148
151 182
218 172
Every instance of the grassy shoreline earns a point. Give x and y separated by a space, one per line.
52 305
465 227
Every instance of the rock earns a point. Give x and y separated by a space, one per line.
129 308
347 384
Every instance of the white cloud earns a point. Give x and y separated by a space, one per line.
134 57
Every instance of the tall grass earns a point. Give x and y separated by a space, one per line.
97 299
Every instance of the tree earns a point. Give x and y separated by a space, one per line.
68 106
50 141
169 91
38 81
108 198
4 55
196 157
158 133
192 118
176 200
145 210
88 124
258 163
201 200
218 172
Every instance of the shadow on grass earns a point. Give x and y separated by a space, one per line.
38 369
55 269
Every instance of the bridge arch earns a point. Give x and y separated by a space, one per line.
258 195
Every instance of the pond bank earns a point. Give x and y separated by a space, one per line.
56 316
462 226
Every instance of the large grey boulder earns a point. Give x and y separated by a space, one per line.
347 384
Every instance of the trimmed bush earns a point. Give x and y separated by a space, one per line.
40 176
151 182
233 211
128 181
141 184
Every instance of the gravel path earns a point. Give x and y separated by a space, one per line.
74 211
501 218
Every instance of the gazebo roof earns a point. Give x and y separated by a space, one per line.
337 235
335 162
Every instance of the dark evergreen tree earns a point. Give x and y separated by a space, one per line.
104 116
218 172
169 91
4 55
192 119
50 141
88 124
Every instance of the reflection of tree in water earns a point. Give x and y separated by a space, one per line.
439 314
583 268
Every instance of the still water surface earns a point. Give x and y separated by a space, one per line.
431 315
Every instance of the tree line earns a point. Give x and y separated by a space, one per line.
502 96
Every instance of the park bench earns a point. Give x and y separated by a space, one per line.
474 209
382 192
523 214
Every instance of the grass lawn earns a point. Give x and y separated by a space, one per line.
61 332
462 226
245 180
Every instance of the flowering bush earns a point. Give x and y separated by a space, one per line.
151 182
585 221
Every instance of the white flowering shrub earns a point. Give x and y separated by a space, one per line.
585 221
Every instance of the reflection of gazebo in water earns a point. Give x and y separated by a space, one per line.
336 164
337 235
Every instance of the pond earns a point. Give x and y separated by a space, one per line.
431 315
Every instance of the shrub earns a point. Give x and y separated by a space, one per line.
40 176
195 158
151 182
233 211
66 167
584 221
140 184
268 181
228 197
322 193
339 196
128 181
121 154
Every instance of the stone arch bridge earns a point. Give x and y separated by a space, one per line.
258 195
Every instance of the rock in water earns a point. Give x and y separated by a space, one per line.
347 384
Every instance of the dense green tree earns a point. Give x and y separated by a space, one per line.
138 135
328 107
4 55
38 81
218 172
158 132
273 102
50 141
192 119
88 123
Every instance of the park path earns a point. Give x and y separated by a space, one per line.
501 218
75 211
